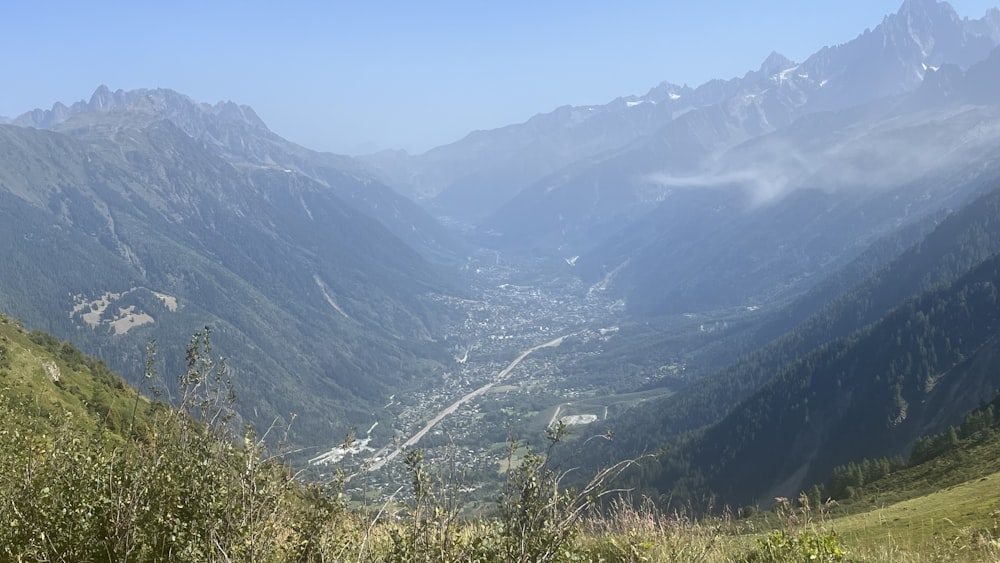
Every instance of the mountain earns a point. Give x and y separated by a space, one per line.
775 228
835 317
574 208
237 135
120 226
895 57
917 371
883 278
472 179
802 252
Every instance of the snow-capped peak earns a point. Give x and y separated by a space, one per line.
775 63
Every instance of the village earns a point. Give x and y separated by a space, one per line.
504 385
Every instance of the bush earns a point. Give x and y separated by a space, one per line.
806 547
185 487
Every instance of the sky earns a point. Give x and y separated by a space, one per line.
355 77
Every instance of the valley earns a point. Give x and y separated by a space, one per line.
508 380
744 320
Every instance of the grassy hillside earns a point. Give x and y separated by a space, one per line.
79 481
44 383
109 245
946 523
942 505
92 471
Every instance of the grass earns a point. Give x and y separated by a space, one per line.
960 523
929 518
946 509
77 385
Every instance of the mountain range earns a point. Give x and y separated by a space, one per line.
782 175
143 215
473 177
841 211
807 218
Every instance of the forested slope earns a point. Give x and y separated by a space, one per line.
919 369
962 240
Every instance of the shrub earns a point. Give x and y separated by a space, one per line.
806 547
185 488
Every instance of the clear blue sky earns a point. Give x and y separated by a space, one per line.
338 75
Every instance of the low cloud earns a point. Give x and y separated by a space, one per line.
769 169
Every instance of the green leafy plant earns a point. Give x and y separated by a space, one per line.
780 547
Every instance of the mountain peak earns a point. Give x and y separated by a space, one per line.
102 98
922 7
665 91
932 34
184 111
927 12
911 5
237 112
776 62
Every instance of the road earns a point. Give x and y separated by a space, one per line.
465 399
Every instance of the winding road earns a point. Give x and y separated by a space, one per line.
465 399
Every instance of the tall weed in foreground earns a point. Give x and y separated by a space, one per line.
800 540
185 486
630 532
190 485
538 519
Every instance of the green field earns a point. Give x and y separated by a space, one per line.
960 521
600 406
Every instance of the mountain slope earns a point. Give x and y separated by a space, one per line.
873 394
750 251
238 136
48 384
960 241
115 238
90 470
888 62
471 179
